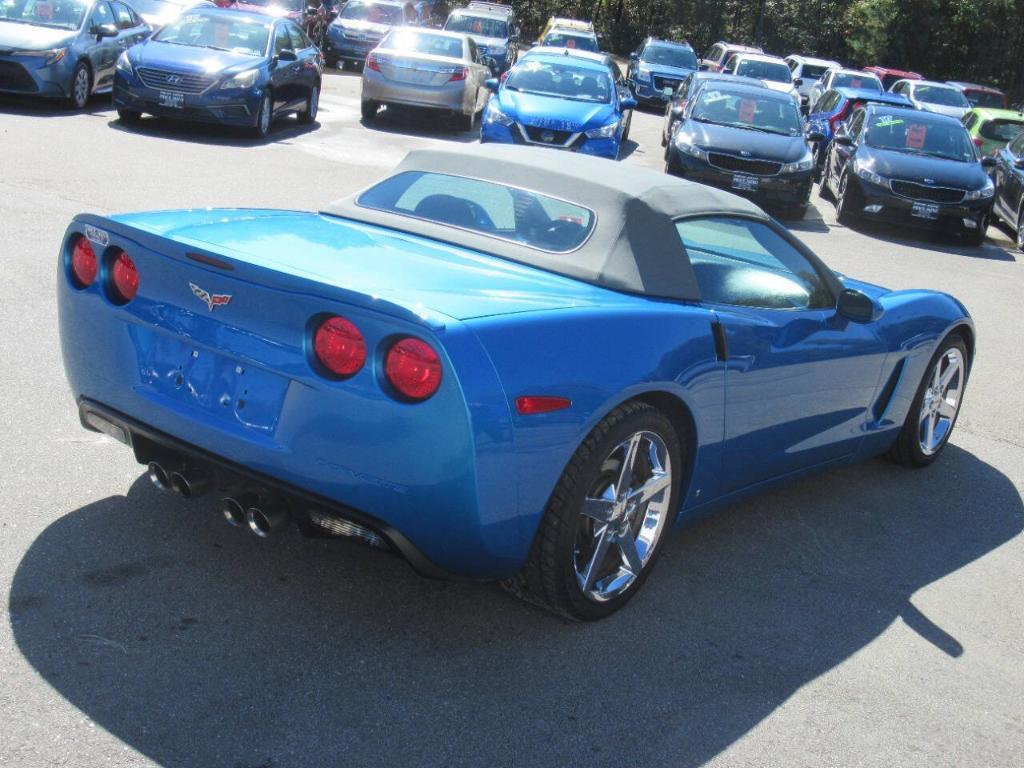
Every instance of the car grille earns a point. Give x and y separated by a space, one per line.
744 165
546 135
665 82
14 77
922 192
165 80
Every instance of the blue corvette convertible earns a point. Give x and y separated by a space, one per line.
501 362
558 100
221 66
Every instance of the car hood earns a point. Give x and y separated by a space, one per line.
942 109
367 28
186 58
900 165
554 113
27 37
375 261
764 146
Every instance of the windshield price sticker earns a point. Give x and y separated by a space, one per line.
915 135
97 236
887 121
748 107
855 83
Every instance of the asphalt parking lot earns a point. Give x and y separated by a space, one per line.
870 616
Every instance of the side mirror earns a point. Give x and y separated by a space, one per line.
627 103
988 162
491 84
287 55
104 30
856 306
815 136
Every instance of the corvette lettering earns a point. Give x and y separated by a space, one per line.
212 301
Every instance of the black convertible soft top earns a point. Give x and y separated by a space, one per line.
634 246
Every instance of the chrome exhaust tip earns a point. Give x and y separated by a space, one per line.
158 476
266 518
233 511
189 483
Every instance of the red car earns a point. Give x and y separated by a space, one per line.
984 96
890 76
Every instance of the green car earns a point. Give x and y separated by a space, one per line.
993 129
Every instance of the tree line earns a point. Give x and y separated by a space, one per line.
974 40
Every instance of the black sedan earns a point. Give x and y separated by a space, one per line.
746 139
909 167
688 88
1009 180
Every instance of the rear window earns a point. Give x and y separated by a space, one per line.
410 41
985 99
812 72
1003 131
852 80
485 207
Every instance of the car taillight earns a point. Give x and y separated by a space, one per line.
836 119
339 346
124 278
373 62
458 74
84 265
413 368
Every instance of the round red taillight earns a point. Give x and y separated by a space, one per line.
339 346
124 278
84 265
413 368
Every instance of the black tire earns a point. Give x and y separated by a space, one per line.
976 237
629 124
672 167
81 87
1020 229
549 577
468 122
907 448
795 212
330 62
844 201
129 116
308 115
369 110
264 117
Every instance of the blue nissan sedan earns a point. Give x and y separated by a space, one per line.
221 66
64 49
560 101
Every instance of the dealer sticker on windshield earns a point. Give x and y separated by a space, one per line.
97 236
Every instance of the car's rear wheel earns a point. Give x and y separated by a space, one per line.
129 116
468 122
264 116
308 115
81 86
607 518
369 110
936 405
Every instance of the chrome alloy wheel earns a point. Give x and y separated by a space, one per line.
623 517
941 401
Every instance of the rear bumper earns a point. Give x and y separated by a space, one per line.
451 97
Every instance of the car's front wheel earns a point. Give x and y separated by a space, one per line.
607 518
264 117
129 116
933 413
672 165
845 203
81 86
976 236
1020 229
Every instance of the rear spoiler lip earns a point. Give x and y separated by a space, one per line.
176 249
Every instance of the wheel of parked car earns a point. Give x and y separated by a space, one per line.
1020 229
976 237
844 202
672 166
308 115
330 62
265 116
129 116
936 405
369 110
606 519
81 86
468 122
795 212
625 131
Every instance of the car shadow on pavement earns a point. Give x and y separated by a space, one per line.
200 645
811 222
26 106
995 247
421 122
282 130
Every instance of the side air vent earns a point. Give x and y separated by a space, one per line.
885 396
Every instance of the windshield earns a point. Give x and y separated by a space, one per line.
911 135
569 40
477 25
423 42
983 99
857 80
357 10
222 32
934 94
562 80
490 208
769 114
812 72
1003 131
158 7
669 56
765 70
59 14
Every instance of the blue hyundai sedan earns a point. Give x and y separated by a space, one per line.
221 66
560 101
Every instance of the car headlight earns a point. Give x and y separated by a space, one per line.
245 79
982 194
604 132
643 75
123 64
495 115
692 150
51 56
868 175
803 164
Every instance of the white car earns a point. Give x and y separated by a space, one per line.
808 70
772 70
842 78
930 96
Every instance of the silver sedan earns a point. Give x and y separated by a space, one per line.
426 68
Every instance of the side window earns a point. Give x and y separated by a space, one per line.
793 65
969 120
102 14
746 263
122 16
297 38
474 52
856 124
282 40
715 53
